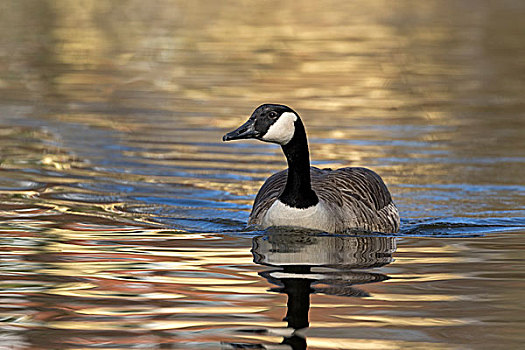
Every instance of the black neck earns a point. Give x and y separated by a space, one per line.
298 191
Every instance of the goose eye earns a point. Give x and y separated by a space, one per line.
273 114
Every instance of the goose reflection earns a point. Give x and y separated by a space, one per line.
303 264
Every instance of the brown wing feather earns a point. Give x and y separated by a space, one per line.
268 193
364 185
358 197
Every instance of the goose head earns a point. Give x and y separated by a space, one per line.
270 123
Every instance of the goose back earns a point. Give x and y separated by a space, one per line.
356 198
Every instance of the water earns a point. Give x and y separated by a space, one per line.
123 214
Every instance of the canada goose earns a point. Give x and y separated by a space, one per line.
335 201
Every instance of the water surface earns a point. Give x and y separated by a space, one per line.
123 214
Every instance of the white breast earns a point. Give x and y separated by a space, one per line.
315 217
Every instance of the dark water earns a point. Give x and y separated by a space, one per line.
122 212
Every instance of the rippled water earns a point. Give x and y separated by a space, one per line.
123 214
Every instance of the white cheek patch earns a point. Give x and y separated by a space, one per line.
282 130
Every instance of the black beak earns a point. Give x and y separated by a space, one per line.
245 131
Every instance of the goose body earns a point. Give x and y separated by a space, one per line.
335 201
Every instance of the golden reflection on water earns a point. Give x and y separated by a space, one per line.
381 321
328 343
